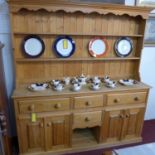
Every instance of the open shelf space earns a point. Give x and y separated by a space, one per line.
80 34
74 59
83 136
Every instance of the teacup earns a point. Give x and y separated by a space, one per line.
56 82
112 84
59 87
95 86
76 86
67 80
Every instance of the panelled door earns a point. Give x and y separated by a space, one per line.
112 124
132 123
31 135
58 130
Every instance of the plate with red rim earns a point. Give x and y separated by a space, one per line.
98 47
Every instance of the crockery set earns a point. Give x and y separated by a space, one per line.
76 83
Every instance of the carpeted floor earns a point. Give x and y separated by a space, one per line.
148 135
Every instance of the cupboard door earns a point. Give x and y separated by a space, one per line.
58 132
31 135
112 125
132 123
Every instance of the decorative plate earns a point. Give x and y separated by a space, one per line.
64 46
127 82
123 46
38 86
98 47
33 46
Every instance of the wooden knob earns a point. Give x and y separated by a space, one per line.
87 119
121 116
127 115
49 124
41 125
57 106
88 103
136 99
31 107
116 100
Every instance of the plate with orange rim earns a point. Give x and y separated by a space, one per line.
98 47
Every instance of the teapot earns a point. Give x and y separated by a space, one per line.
82 79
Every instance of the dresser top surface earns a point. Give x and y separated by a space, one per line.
24 92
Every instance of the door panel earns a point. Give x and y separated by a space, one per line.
133 122
57 132
31 135
112 124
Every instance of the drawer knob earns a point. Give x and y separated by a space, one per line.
31 108
57 106
41 125
127 115
121 116
88 103
49 124
116 100
87 119
136 99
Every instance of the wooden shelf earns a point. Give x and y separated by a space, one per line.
80 34
74 59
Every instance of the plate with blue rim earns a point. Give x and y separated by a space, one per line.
33 46
64 46
123 46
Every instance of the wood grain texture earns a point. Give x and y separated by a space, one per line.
82 28
71 7
70 121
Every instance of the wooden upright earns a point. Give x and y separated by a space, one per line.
77 121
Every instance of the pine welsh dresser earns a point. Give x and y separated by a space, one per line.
51 122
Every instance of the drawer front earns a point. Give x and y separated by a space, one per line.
88 101
42 105
126 98
88 119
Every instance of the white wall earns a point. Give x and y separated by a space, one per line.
5 38
147 72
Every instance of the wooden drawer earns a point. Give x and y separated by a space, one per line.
44 105
88 119
126 98
88 101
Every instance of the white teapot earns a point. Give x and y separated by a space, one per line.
82 79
